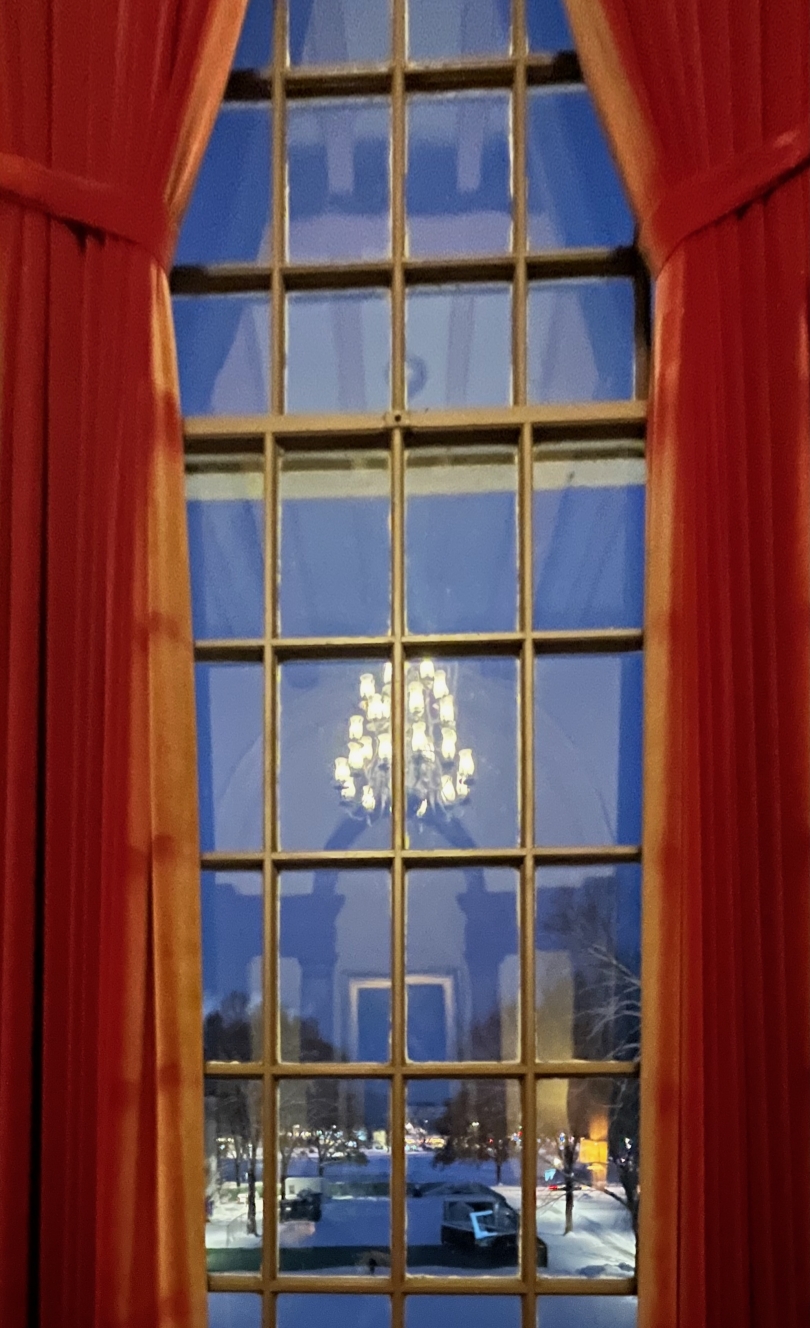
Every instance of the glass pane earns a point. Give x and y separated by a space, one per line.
255 41
575 195
587 1176
334 965
338 351
588 542
225 515
234 1175
234 1309
335 754
232 928
593 1311
461 539
339 32
338 180
458 346
230 755
588 962
462 1145
336 1311
334 543
462 753
458 188
462 1312
223 353
462 966
334 1176
588 719
457 28
581 340
228 219
547 23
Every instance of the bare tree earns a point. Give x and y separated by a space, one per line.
332 1124
569 1152
476 1127
237 1107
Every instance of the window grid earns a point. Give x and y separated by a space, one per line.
586 427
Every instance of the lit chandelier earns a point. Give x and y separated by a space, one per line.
437 774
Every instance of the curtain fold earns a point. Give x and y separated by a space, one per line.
697 97
101 1147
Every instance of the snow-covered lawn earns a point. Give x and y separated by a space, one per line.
601 1244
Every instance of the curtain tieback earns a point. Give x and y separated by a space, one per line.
707 198
91 204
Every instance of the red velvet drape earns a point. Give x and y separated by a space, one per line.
707 105
101 1186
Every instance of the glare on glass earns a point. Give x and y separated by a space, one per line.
339 32
575 197
462 1312
334 965
547 25
234 1175
302 1311
588 962
338 351
458 346
225 516
588 535
595 1311
458 190
338 155
335 754
230 703
223 353
587 742
461 539
334 544
255 40
581 344
228 219
462 966
588 1178
232 909
462 1158
334 1169
461 753
234 1309
457 28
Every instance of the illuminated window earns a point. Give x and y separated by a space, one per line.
412 333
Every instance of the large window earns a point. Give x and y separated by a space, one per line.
412 333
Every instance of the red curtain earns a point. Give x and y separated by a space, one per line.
105 109
707 105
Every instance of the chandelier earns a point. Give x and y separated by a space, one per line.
437 773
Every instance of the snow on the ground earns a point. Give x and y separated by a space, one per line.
601 1244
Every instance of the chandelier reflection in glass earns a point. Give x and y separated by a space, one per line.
438 774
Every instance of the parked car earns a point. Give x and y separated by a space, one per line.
305 1206
486 1225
